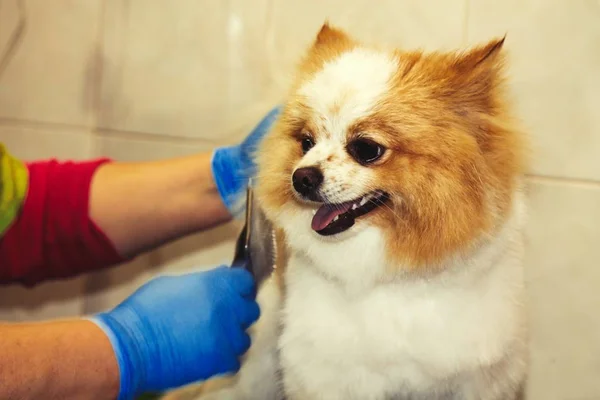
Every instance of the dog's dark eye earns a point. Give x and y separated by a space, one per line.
307 144
365 151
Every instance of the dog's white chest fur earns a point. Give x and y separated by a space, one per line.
348 330
360 339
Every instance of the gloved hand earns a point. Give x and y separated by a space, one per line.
177 330
232 166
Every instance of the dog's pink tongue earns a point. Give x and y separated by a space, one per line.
326 213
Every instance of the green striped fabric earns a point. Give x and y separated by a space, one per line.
14 180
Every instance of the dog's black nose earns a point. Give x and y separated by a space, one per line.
307 181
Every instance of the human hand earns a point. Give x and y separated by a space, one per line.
232 166
177 330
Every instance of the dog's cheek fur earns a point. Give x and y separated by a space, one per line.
457 155
456 151
439 208
278 154
274 189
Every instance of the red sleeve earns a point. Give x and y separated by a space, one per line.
54 237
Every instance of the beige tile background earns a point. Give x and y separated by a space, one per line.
147 79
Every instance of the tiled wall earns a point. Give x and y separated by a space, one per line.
146 79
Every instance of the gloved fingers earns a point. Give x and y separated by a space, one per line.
247 312
232 367
226 365
242 343
239 339
232 345
242 282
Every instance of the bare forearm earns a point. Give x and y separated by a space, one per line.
57 360
143 205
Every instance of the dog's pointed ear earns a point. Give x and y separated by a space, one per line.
329 43
488 56
479 76
329 35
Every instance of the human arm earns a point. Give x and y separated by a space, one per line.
57 360
169 199
173 331
142 205
82 216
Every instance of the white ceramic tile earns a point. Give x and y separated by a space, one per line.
428 24
554 68
564 282
46 301
52 71
41 142
201 251
106 289
132 148
190 68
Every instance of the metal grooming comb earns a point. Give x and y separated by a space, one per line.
255 249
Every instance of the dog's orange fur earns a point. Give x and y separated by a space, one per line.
454 152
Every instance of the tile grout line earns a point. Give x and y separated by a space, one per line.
582 182
183 140
96 104
33 124
269 35
100 131
15 38
151 137
98 83
467 15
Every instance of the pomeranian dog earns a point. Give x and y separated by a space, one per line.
395 179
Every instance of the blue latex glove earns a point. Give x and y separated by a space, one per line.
232 166
177 330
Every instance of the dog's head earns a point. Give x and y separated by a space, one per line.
415 146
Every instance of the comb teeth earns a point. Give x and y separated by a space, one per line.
274 254
262 251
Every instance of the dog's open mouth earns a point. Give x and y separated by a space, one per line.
331 219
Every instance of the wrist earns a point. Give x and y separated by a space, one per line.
140 206
126 352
